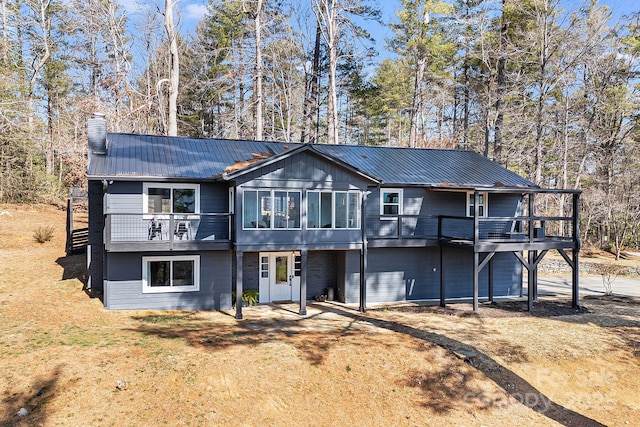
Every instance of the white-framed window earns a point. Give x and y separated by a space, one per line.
273 209
482 204
264 267
170 274
333 209
390 201
164 198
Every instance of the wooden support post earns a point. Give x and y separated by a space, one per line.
476 272
575 297
303 282
239 285
490 291
363 279
476 238
535 276
575 277
364 254
530 279
442 295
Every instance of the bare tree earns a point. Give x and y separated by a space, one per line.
174 67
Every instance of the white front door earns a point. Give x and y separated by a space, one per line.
279 276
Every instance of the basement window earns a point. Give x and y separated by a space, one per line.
170 274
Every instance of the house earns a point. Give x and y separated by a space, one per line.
181 223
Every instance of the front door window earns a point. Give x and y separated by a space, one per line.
282 270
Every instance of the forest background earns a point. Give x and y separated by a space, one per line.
547 88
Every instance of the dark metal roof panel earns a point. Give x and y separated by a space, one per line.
426 166
147 156
131 155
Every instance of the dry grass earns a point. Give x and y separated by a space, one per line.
64 356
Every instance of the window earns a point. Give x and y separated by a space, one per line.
170 274
482 204
339 209
171 198
264 267
271 209
390 201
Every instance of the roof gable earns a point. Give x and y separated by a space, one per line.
297 151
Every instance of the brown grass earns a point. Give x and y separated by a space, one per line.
63 357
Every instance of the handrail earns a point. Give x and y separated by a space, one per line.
156 228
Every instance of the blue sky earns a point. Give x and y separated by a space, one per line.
191 11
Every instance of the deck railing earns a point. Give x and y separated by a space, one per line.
506 229
151 228
493 229
402 226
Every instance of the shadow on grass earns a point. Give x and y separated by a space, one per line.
445 388
75 268
33 402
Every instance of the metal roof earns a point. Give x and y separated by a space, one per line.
158 157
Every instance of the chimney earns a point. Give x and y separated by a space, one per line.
97 131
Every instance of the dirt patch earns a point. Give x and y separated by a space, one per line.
67 361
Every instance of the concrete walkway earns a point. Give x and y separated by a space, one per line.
589 285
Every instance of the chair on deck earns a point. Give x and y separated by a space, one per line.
155 230
182 230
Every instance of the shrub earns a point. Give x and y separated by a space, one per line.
609 273
43 233
251 297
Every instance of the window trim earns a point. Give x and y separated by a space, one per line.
358 225
400 203
272 192
484 204
170 186
146 289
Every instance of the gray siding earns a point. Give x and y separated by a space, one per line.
349 280
126 197
399 274
123 290
458 267
429 205
308 168
305 171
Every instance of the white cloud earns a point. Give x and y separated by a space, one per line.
194 11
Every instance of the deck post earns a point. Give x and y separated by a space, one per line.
535 276
530 279
363 279
303 282
476 257
476 238
490 266
239 284
575 277
442 296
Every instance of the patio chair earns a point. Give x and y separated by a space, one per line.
182 230
155 230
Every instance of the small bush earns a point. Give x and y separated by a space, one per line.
609 273
43 233
250 297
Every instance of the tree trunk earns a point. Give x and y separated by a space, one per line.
257 90
502 83
174 70
309 127
418 93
